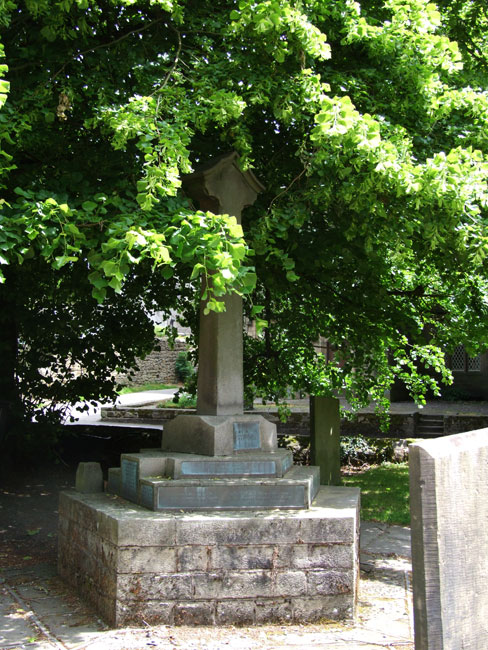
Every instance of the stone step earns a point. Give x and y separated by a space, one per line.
157 463
430 425
295 491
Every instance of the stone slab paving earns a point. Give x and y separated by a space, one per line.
38 611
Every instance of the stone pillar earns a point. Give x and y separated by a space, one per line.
222 188
325 423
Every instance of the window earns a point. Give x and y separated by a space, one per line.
461 362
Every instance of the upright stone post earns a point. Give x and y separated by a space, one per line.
222 188
325 423
449 519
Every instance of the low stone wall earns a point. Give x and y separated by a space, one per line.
223 568
402 425
463 423
298 423
158 367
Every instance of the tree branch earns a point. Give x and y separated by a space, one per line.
105 45
175 62
287 189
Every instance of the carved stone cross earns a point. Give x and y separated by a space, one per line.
222 188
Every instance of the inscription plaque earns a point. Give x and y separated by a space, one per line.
147 496
233 468
207 497
246 436
130 479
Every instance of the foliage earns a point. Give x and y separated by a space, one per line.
183 367
385 493
299 446
358 450
181 400
355 451
360 120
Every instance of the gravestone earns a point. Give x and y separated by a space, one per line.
325 438
449 519
218 525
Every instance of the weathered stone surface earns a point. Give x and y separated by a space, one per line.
273 611
320 608
237 528
146 559
193 558
330 582
254 464
323 556
113 483
139 587
295 490
213 435
238 611
158 367
243 557
89 478
449 515
194 613
136 565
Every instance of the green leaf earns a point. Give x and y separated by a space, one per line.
89 206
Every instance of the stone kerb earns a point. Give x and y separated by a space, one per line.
449 515
184 568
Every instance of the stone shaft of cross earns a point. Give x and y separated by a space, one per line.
222 188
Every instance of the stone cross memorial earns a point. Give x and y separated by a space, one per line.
219 441
218 525
449 518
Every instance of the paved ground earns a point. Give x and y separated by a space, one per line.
131 399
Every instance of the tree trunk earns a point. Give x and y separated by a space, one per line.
10 402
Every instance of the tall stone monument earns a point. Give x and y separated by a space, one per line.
217 526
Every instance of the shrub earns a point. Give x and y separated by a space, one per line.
183 367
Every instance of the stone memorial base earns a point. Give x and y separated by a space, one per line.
203 568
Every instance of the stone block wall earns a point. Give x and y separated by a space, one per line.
158 366
217 568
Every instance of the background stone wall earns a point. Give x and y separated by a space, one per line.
158 366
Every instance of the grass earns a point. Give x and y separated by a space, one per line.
139 389
384 492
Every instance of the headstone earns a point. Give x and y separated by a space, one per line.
89 478
449 519
325 424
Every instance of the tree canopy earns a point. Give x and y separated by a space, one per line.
367 124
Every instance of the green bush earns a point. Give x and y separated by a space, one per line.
179 401
299 446
358 450
183 367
